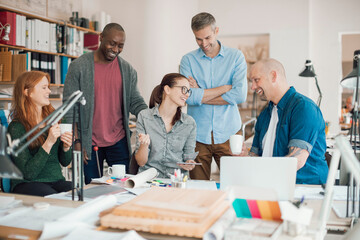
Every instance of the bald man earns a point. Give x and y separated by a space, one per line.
291 125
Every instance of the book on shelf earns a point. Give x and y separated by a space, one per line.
65 62
6 92
35 61
5 61
91 41
18 65
20 30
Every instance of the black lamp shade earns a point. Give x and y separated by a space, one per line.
350 80
308 71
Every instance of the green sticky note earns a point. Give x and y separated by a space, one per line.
241 208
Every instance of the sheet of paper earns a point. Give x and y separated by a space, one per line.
85 214
340 192
82 233
293 214
201 184
8 203
30 218
217 230
340 209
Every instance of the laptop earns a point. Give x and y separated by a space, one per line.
277 173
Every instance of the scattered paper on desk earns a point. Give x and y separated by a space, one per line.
101 190
293 214
91 209
8 202
29 218
217 230
340 192
252 228
101 180
201 184
82 233
340 209
85 214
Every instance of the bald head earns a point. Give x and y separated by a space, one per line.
266 66
269 80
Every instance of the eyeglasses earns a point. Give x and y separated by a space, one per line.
184 90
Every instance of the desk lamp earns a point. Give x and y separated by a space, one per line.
352 81
7 31
309 72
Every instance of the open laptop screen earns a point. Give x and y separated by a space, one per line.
277 173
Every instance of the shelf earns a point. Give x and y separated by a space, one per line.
10 99
12 83
46 19
33 50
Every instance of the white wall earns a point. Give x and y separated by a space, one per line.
159 34
330 18
288 29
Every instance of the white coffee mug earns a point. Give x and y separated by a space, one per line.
117 170
236 143
65 127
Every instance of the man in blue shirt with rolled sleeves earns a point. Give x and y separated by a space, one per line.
299 129
218 80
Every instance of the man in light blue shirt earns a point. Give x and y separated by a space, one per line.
217 76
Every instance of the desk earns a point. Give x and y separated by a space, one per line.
29 201
6 231
333 222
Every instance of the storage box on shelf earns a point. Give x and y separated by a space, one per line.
37 43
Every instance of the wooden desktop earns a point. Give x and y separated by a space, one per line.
334 222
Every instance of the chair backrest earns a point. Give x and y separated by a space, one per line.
3 117
4 182
134 167
5 185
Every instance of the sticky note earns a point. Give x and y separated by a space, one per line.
241 208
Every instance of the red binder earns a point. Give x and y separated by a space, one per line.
91 41
8 18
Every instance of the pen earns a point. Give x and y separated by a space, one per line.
298 203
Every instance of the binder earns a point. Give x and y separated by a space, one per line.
91 41
64 68
5 60
59 38
44 66
35 61
18 65
52 66
10 19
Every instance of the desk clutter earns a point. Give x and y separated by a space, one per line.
171 211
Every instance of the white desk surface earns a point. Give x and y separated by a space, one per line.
333 221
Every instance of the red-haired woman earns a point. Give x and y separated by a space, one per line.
40 162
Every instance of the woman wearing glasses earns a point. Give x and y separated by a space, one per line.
166 136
